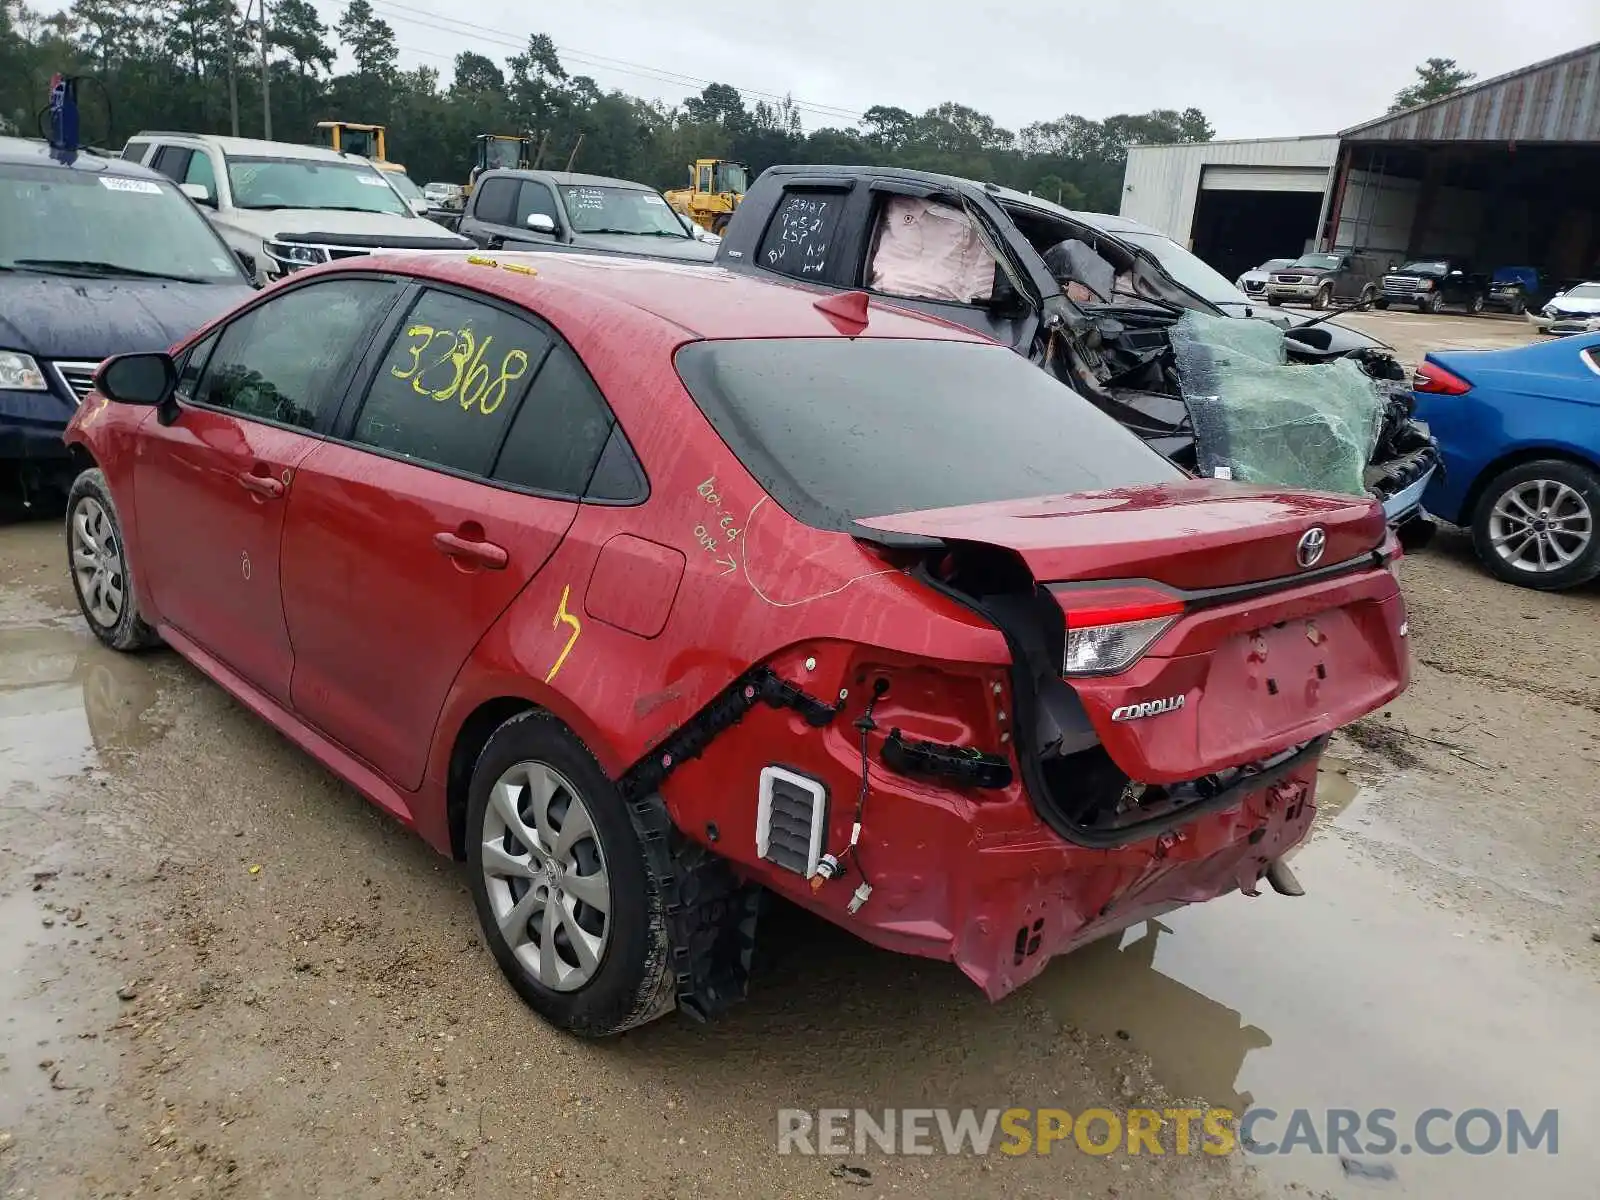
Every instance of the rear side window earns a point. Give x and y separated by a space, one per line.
837 429
799 240
286 360
557 437
450 382
495 201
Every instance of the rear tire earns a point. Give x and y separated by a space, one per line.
1506 525
719 223
97 563
593 960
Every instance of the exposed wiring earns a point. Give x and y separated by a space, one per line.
833 865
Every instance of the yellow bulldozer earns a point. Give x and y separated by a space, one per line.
365 140
499 152
716 188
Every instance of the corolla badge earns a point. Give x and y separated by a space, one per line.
1312 543
1148 708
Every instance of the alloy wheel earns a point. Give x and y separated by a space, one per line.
1540 525
545 875
97 563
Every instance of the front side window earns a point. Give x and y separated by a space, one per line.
200 171
598 209
535 198
266 183
449 383
837 429
927 250
286 360
58 221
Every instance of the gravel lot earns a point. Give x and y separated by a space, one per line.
222 973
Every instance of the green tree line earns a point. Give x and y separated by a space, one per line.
191 64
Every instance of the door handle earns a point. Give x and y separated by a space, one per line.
484 554
261 485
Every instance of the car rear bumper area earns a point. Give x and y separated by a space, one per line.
1030 902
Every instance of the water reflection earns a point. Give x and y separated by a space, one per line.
63 698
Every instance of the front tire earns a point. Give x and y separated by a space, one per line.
1534 525
1324 300
1274 302
97 562
564 896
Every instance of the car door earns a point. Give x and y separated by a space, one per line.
500 209
210 486
400 553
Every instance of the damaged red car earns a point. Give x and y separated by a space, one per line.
648 589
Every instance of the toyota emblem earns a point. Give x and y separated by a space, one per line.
1312 543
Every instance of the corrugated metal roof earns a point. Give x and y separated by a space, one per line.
1557 100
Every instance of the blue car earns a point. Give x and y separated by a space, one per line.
98 256
1519 432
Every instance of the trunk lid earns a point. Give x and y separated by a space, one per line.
1237 642
1194 534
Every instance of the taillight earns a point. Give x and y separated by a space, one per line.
1110 628
1430 377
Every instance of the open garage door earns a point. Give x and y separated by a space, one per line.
1237 230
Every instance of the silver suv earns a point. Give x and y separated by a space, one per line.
281 206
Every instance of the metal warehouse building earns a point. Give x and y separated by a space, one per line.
1506 172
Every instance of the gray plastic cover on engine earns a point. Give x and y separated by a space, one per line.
1264 419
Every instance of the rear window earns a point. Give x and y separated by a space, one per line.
837 429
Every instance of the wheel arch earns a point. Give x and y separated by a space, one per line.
1515 458
472 736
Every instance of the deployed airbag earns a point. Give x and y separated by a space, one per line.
930 251
1262 419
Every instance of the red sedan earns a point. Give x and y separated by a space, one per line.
645 587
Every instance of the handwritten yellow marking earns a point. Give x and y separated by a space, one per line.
478 260
562 615
518 268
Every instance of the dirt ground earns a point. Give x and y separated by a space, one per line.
223 974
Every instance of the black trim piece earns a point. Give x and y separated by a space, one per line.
966 765
725 710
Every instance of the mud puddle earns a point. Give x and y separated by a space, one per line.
1367 993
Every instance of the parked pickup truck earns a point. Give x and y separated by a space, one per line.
1432 283
558 211
1100 302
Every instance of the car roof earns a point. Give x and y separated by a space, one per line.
570 178
251 146
1104 222
36 152
698 299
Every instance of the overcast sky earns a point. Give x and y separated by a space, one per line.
1257 68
